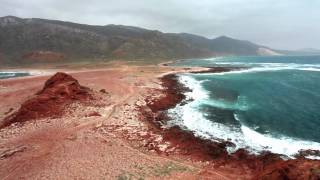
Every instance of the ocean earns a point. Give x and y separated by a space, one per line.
272 104
6 75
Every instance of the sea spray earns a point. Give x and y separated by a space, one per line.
272 104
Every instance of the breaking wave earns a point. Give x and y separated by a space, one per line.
191 117
261 67
5 75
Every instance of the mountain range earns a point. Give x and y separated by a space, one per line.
29 40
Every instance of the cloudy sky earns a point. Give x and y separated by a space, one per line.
282 24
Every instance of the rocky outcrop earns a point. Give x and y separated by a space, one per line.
172 94
58 92
267 165
291 169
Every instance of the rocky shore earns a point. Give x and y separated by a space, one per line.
264 166
113 123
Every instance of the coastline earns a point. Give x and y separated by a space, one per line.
126 121
185 143
106 135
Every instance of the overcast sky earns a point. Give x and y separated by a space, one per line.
282 24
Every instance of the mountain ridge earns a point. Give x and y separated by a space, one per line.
45 39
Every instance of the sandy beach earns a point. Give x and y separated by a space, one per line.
118 133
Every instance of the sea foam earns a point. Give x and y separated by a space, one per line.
261 67
190 117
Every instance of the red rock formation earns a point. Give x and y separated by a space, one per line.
92 114
291 169
264 166
58 92
173 94
197 148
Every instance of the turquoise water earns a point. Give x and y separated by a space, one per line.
6 75
272 104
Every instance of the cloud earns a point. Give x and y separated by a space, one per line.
284 24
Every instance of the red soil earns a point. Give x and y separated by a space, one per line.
264 166
291 169
58 92
68 150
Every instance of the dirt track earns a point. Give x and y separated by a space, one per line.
88 147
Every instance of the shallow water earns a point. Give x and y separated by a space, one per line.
6 75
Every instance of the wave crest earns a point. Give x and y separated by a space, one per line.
190 116
262 67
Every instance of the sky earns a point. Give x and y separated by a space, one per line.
280 24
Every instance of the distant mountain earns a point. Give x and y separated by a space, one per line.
24 41
309 51
305 51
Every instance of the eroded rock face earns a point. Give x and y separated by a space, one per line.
266 165
58 92
291 169
173 94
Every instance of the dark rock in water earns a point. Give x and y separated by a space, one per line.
309 152
218 70
58 92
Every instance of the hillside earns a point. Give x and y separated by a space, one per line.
24 41
303 52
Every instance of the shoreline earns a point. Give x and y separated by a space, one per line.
107 132
128 120
206 150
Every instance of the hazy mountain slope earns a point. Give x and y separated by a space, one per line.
34 40
21 37
228 45
308 51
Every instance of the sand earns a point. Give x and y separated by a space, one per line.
80 146
108 138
